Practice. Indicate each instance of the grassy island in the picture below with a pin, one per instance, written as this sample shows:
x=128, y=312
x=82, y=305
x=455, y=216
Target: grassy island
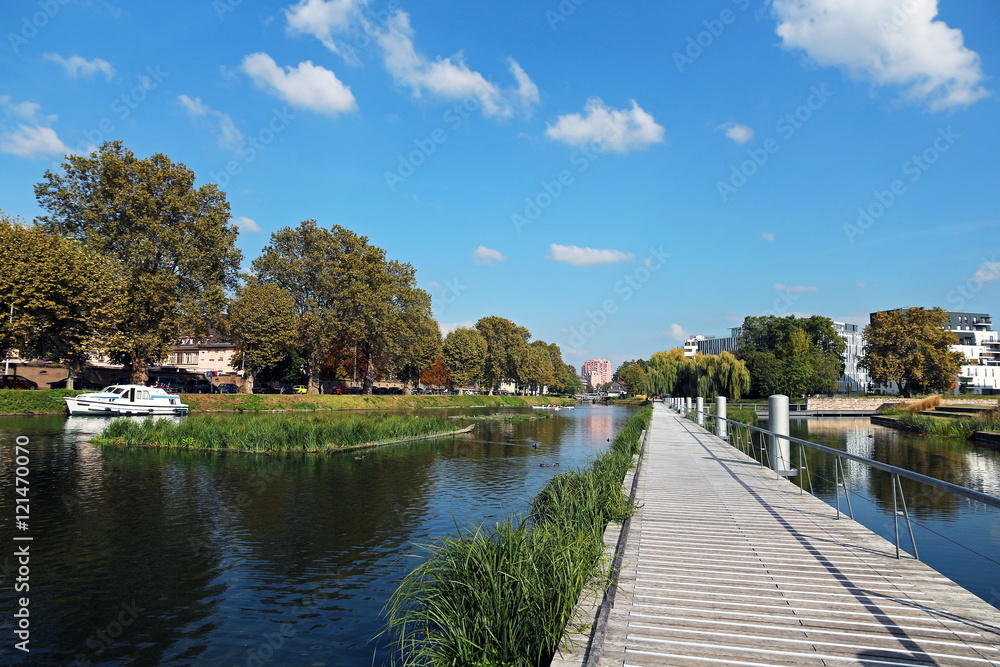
x=275, y=433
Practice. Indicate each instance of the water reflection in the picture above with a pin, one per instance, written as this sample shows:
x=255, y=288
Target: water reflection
x=216, y=558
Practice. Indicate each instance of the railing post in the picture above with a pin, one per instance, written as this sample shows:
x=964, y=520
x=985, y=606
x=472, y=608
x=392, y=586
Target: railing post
x=700, y=407
x=780, y=453
x=720, y=416
x=687, y=405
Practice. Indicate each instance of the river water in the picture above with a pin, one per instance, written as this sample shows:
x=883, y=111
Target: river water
x=144, y=557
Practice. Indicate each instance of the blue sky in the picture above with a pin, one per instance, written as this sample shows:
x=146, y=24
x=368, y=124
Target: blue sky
x=613, y=176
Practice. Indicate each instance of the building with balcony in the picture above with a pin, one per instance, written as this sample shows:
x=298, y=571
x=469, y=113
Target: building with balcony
x=596, y=372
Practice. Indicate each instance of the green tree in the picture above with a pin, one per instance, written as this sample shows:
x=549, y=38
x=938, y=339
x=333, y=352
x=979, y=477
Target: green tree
x=634, y=378
x=464, y=354
x=172, y=243
x=911, y=347
x=724, y=375
x=504, y=341
x=60, y=297
x=418, y=345
x=534, y=366
x=811, y=349
x=261, y=322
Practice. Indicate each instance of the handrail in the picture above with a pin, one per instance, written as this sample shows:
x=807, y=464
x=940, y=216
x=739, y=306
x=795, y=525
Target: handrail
x=978, y=496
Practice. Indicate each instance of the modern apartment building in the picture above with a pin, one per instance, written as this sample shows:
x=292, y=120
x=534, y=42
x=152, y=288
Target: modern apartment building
x=596, y=371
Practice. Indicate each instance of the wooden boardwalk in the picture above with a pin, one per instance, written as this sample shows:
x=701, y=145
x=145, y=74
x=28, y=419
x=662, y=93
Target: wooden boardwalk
x=725, y=565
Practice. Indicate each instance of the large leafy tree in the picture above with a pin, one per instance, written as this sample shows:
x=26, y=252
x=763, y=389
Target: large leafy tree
x=911, y=347
x=809, y=352
x=60, y=298
x=261, y=323
x=504, y=343
x=172, y=242
x=464, y=355
x=436, y=374
x=346, y=293
x=419, y=345
x=534, y=366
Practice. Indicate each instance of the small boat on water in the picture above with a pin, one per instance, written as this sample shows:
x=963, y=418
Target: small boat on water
x=126, y=399
x=552, y=407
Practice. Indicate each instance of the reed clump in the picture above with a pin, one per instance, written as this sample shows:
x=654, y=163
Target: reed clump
x=272, y=433
x=501, y=595
x=928, y=403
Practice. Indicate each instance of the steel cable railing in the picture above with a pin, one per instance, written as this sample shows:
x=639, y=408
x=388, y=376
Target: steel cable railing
x=741, y=436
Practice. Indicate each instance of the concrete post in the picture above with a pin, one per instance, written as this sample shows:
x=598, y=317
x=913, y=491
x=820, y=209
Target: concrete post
x=779, y=448
x=700, y=407
x=721, y=429
x=687, y=405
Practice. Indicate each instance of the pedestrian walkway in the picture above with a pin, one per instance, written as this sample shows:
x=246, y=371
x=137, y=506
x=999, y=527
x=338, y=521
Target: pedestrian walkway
x=726, y=565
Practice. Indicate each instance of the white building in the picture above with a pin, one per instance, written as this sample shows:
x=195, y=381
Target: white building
x=981, y=346
x=853, y=379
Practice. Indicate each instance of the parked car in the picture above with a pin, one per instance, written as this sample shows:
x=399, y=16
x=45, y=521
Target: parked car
x=16, y=382
x=78, y=383
x=198, y=386
x=228, y=388
x=300, y=389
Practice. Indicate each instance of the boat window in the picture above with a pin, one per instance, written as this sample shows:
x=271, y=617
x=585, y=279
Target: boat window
x=119, y=390
x=145, y=395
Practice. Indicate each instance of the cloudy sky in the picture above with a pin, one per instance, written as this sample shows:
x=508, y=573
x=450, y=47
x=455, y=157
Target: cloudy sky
x=613, y=176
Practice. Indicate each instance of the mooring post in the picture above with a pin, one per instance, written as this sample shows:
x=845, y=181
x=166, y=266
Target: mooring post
x=780, y=453
x=700, y=407
x=720, y=416
x=687, y=405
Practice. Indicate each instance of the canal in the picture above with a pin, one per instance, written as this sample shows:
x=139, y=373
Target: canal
x=958, y=537
x=156, y=557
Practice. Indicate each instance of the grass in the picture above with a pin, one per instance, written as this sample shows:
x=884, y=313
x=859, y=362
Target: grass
x=39, y=401
x=952, y=428
x=49, y=401
x=501, y=595
x=272, y=433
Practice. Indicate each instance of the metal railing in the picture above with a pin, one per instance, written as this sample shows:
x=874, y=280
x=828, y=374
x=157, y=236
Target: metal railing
x=741, y=434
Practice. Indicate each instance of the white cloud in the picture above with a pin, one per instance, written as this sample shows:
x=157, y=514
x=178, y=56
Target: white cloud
x=33, y=137
x=738, y=133
x=450, y=78
x=577, y=256
x=891, y=43
x=77, y=66
x=487, y=256
x=227, y=134
x=323, y=19
x=860, y=284
x=245, y=224
x=678, y=333
x=448, y=328
x=793, y=288
x=32, y=141
x=987, y=272
x=767, y=236
x=622, y=130
x=307, y=86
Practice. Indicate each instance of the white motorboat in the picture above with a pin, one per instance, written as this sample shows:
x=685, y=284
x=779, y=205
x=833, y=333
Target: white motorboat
x=126, y=399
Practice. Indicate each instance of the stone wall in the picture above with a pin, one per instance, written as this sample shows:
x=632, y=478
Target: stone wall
x=875, y=402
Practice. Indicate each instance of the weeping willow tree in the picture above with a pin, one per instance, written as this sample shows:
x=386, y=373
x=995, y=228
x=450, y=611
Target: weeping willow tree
x=709, y=375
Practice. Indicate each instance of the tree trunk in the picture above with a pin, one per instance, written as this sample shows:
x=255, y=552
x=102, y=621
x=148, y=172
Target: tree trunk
x=315, y=367
x=73, y=370
x=369, y=378
x=246, y=387
x=140, y=372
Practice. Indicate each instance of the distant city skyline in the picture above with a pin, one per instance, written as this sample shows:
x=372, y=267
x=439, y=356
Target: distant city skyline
x=613, y=177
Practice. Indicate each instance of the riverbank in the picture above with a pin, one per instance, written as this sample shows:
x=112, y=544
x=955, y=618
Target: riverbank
x=502, y=594
x=276, y=434
x=50, y=401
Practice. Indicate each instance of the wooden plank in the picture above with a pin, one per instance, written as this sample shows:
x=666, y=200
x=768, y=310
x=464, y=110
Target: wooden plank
x=726, y=565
